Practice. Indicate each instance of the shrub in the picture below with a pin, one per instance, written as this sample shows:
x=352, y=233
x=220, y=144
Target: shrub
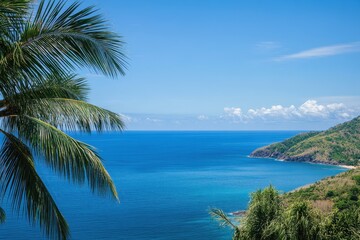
x=354, y=190
x=343, y=204
x=264, y=207
x=330, y=194
x=344, y=225
x=356, y=178
x=354, y=198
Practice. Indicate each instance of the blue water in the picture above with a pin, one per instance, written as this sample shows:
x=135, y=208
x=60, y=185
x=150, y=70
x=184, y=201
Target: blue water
x=167, y=181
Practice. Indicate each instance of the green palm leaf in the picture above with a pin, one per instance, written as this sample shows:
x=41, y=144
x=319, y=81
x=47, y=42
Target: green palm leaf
x=69, y=114
x=222, y=218
x=225, y=221
x=82, y=33
x=70, y=158
x=12, y=14
x=41, y=98
x=2, y=215
x=59, y=101
x=55, y=86
x=58, y=39
x=20, y=180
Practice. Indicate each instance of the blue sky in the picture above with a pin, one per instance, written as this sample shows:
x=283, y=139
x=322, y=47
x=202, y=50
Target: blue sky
x=233, y=65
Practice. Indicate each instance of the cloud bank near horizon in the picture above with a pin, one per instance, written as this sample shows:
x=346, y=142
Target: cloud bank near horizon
x=313, y=114
x=309, y=110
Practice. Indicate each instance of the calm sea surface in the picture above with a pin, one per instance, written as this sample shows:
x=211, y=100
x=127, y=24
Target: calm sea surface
x=167, y=181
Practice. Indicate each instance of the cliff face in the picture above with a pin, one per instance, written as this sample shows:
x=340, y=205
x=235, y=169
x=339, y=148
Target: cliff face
x=337, y=145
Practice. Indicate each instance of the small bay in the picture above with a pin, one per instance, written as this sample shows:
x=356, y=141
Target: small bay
x=167, y=181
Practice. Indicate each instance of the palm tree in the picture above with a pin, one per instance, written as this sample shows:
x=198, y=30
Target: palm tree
x=301, y=222
x=264, y=207
x=297, y=221
x=225, y=221
x=41, y=98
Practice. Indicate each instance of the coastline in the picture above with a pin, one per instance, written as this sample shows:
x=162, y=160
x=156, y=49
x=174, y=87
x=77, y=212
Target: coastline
x=311, y=162
x=347, y=166
x=241, y=213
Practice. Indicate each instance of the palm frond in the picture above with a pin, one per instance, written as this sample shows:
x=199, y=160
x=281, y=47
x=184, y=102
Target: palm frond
x=41, y=98
x=68, y=114
x=60, y=38
x=55, y=86
x=2, y=215
x=12, y=15
x=12, y=18
x=20, y=180
x=222, y=218
x=76, y=161
x=11, y=10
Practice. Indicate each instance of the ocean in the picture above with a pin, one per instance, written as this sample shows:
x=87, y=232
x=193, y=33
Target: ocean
x=167, y=181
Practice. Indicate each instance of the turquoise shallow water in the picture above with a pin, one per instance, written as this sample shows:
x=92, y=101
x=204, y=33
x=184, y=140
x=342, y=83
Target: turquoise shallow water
x=167, y=181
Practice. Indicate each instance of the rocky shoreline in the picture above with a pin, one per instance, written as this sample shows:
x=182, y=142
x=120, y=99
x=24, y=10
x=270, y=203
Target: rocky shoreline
x=266, y=153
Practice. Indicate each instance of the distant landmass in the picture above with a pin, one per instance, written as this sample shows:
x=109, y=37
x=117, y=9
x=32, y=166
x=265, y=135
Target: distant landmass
x=339, y=145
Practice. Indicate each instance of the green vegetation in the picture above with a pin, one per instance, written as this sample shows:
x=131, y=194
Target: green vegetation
x=337, y=145
x=264, y=208
x=269, y=218
x=328, y=209
x=39, y=51
x=333, y=193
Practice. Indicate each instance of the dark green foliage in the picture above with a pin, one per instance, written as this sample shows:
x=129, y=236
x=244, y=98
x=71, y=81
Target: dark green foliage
x=334, y=214
x=298, y=221
x=356, y=178
x=264, y=207
x=342, y=190
x=355, y=190
x=330, y=194
x=267, y=218
x=2, y=215
x=302, y=223
x=343, y=225
x=288, y=143
x=343, y=204
x=41, y=44
x=354, y=198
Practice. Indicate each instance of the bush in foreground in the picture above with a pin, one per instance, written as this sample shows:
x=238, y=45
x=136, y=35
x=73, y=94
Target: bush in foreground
x=270, y=217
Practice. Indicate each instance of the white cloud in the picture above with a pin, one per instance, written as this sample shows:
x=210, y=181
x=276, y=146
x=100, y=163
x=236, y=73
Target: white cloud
x=232, y=111
x=323, y=51
x=345, y=115
x=273, y=111
x=335, y=106
x=310, y=109
x=202, y=117
x=155, y=120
